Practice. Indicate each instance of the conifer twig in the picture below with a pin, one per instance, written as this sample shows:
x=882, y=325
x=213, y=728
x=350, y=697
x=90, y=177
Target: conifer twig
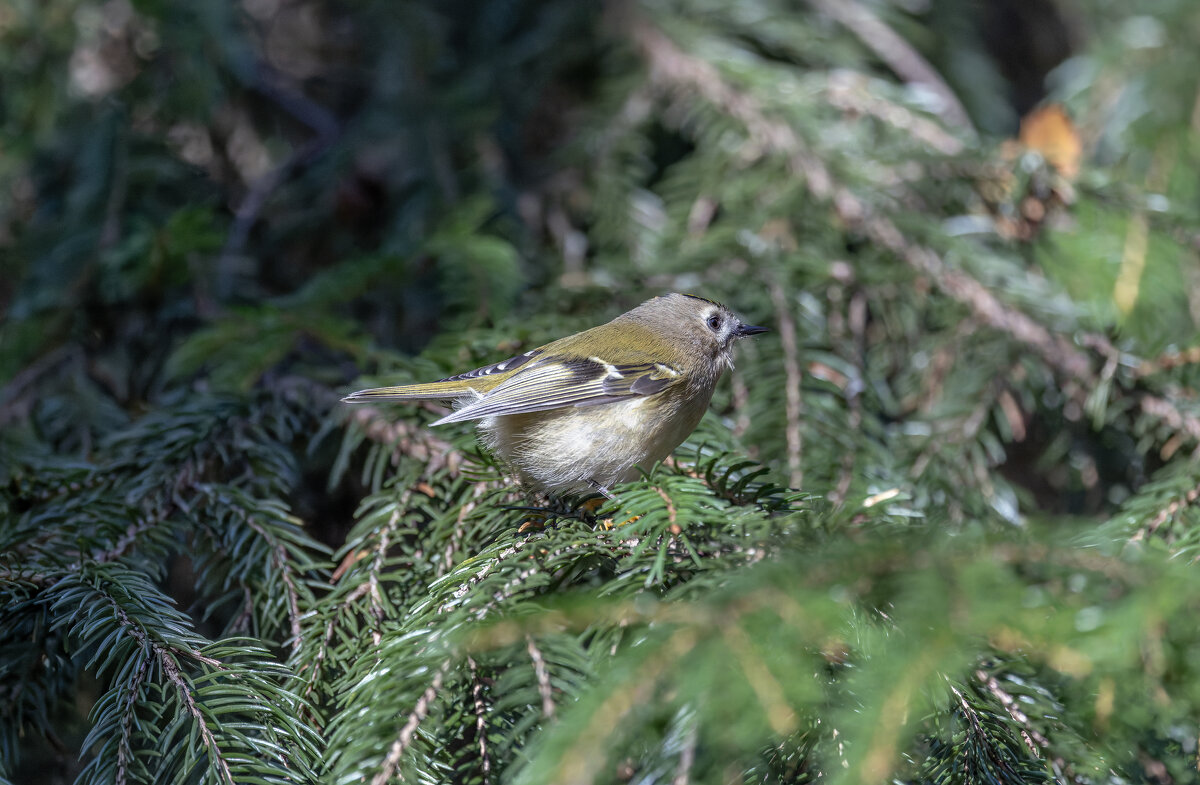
x=485, y=761
x=1168, y=512
x=419, y=712
x=284, y=565
x=543, y=677
x=128, y=720
x=687, y=757
x=896, y=53
x=1170, y=414
x=410, y=439
x=981, y=737
x=171, y=671
x=377, y=565
x=1033, y=738
x=677, y=72
x=793, y=403
x=849, y=92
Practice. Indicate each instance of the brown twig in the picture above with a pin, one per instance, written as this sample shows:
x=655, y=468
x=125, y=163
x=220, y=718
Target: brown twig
x=856, y=321
x=976, y=728
x=793, y=403
x=543, y=677
x=672, y=69
x=1147, y=529
x=672, y=513
x=171, y=670
x=687, y=758
x=1164, y=362
x=741, y=396
x=485, y=761
x=124, y=750
x=419, y=712
x=459, y=533
x=1170, y=415
x=1030, y=734
x=377, y=564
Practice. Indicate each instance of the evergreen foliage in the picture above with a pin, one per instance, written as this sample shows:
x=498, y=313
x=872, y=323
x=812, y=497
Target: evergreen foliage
x=939, y=527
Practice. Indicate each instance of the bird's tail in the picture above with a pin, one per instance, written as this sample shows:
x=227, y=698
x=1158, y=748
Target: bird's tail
x=437, y=391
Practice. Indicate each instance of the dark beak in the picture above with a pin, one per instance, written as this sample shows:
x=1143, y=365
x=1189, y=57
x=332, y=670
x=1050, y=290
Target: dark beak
x=748, y=329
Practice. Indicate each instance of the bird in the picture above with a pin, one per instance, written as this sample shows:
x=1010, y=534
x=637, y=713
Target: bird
x=597, y=408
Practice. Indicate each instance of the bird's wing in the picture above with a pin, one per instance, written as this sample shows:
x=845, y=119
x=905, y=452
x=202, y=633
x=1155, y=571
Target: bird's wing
x=573, y=382
x=471, y=384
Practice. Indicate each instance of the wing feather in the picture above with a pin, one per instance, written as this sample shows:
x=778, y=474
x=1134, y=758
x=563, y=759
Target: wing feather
x=450, y=388
x=554, y=385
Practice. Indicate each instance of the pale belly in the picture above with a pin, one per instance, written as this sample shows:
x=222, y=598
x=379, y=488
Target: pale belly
x=571, y=450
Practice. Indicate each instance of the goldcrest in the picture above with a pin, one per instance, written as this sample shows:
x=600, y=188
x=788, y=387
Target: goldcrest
x=589, y=410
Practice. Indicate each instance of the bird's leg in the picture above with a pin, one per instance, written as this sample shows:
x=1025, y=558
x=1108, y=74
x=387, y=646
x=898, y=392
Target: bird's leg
x=605, y=492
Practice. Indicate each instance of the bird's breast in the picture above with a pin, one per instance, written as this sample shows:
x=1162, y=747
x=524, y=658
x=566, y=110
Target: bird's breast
x=570, y=449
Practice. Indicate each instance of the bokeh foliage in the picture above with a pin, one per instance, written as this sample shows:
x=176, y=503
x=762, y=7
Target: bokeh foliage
x=939, y=526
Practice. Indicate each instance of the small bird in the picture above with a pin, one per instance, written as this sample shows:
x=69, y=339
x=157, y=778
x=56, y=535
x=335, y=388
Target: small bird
x=589, y=410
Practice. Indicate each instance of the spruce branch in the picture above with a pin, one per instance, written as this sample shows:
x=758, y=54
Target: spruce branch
x=849, y=91
x=682, y=74
x=794, y=408
x=893, y=50
x=407, y=439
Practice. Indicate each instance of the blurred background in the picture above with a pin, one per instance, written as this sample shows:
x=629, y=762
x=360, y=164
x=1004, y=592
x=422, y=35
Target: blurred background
x=973, y=228
x=255, y=188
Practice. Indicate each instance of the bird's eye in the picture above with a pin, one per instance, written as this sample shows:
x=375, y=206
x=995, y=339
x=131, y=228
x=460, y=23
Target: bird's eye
x=714, y=323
